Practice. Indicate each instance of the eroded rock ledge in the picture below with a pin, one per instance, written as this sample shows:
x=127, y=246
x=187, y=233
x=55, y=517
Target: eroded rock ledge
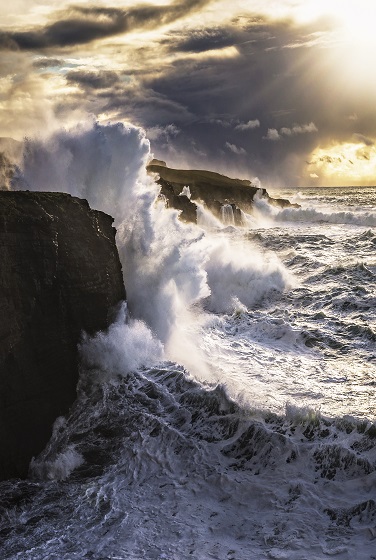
x=60, y=274
x=212, y=189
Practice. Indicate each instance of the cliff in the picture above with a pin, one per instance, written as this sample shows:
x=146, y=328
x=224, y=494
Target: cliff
x=60, y=275
x=213, y=189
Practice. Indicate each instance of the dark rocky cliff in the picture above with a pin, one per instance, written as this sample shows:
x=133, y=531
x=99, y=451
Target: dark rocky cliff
x=213, y=189
x=60, y=275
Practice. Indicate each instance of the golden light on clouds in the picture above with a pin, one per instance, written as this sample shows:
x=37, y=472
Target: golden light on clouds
x=355, y=16
x=21, y=106
x=298, y=68
x=224, y=53
x=349, y=163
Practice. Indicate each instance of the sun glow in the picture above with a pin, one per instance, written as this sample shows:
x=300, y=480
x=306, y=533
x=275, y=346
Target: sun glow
x=358, y=20
x=353, y=20
x=354, y=16
x=344, y=164
x=354, y=39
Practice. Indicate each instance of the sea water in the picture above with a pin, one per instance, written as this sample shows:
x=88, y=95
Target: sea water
x=229, y=411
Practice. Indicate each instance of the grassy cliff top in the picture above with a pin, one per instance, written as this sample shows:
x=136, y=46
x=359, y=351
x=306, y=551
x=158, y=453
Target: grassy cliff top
x=192, y=176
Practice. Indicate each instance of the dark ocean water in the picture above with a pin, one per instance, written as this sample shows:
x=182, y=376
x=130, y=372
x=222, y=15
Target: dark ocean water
x=229, y=412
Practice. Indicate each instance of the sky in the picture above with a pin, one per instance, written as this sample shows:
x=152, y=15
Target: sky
x=280, y=90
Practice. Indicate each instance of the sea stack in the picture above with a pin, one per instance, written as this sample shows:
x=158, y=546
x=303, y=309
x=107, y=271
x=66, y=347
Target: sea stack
x=212, y=189
x=60, y=275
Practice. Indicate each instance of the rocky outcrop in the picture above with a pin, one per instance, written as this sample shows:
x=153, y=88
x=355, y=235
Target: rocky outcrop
x=212, y=189
x=60, y=275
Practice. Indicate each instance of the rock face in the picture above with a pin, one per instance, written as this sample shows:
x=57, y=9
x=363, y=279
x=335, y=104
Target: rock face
x=213, y=189
x=60, y=275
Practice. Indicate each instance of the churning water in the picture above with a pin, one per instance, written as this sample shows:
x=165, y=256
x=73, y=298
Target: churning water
x=229, y=412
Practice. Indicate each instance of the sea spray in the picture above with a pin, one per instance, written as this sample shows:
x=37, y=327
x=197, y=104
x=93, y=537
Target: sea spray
x=127, y=345
x=173, y=272
x=227, y=215
x=206, y=219
x=100, y=163
x=238, y=272
x=106, y=164
x=151, y=464
x=266, y=214
x=59, y=468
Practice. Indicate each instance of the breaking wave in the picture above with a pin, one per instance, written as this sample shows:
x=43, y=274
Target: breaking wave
x=228, y=411
x=310, y=214
x=172, y=271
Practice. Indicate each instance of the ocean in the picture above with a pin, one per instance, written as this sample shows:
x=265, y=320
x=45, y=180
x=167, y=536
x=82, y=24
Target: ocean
x=229, y=411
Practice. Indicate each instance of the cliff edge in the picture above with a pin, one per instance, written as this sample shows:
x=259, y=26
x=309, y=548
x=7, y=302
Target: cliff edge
x=60, y=274
x=212, y=189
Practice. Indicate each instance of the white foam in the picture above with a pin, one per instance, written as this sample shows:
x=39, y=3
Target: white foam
x=227, y=215
x=264, y=211
x=206, y=219
x=124, y=347
x=60, y=468
x=238, y=272
x=100, y=163
x=186, y=191
x=171, y=270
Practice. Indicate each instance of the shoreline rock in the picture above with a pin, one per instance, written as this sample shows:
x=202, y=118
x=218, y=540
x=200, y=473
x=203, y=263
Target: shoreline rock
x=212, y=189
x=60, y=274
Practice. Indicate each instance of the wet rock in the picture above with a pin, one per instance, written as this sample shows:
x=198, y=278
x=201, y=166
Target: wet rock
x=60, y=274
x=212, y=189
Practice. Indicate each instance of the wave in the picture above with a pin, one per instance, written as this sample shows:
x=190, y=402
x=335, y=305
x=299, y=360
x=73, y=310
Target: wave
x=167, y=398
x=173, y=272
x=369, y=236
x=263, y=210
x=161, y=460
x=127, y=345
x=163, y=467
x=104, y=164
x=164, y=403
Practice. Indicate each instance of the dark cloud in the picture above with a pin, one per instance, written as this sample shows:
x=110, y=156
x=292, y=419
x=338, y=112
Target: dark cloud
x=203, y=40
x=292, y=94
x=145, y=107
x=93, y=80
x=223, y=106
x=48, y=63
x=80, y=25
x=261, y=87
x=273, y=83
x=7, y=42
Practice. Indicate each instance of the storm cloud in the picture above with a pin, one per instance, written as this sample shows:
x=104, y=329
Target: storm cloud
x=202, y=40
x=236, y=93
x=93, y=80
x=214, y=85
x=79, y=25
